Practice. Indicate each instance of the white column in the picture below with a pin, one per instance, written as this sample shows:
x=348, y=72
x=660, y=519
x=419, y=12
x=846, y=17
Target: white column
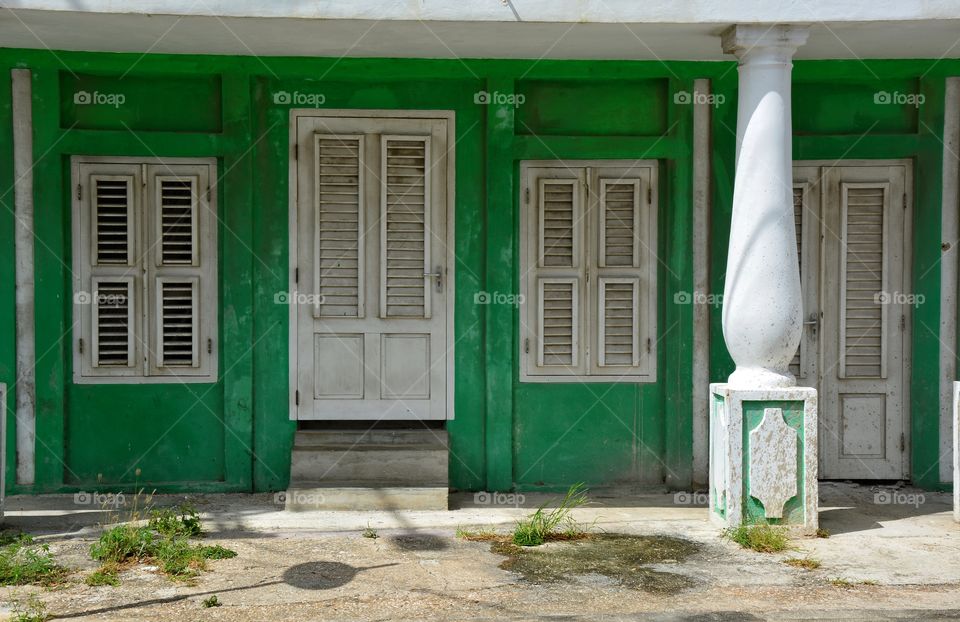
x=762, y=306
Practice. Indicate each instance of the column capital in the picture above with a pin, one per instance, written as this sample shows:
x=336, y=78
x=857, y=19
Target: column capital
x=748, y=41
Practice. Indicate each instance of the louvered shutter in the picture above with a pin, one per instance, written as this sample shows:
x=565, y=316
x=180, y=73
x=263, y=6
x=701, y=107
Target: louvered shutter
x=339, y=236
x=863, y=312
x=181, y=278
x=404, y=229
x=799, y=191
x=624, y=293
x=553, y=271
x=107, y=280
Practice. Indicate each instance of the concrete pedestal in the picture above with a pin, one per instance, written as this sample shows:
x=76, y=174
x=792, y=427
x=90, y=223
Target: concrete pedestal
x=956, y=451
x=763, y=456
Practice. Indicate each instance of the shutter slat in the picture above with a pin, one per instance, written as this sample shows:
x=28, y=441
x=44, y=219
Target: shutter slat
x=795, y=365
x=178, y=322
x=619, y=218
x=405, y=213
x=557, y=213
x=863, y=281
x=178, y=201
x=339, y=222
x=558, y=320
x=619, y=322
x=113, y=219
x=112, y=322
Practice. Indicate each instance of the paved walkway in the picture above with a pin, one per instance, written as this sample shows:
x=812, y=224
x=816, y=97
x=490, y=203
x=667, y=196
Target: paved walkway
x=892, y=554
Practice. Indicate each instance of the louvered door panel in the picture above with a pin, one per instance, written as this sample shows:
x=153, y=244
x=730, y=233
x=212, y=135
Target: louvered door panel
x=177, y=324
x=618, y=314
x=177, y=203
x=339, y=205
x=559, y=220
x=619, y=221
x=113, y=219
x=405, y=214
x=113, y=322
x=796, y=367
x=862, y=314
x=557, y=316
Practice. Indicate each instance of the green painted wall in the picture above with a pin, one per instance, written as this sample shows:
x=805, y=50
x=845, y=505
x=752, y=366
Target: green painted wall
x=235, y=434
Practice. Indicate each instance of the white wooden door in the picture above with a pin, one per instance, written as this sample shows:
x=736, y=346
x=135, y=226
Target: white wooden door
x=853, y=221
x=372, y=280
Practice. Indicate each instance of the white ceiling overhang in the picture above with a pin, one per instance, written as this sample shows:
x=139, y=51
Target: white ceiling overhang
x=556, y=29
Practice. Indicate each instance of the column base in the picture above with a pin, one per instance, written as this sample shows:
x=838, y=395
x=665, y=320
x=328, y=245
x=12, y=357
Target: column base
x=763, y=456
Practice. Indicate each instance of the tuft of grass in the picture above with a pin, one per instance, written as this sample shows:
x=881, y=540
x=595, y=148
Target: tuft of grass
x=370, y=532
x=483, y=534
x=807, y=563
x=555, y=524
x=171, y=550
x=107, y=574
x=31, y=609
x=213, y=601
x=842, y=583
x=762, y=538
x=24, y=562
x=823, y=533
x=183, y=520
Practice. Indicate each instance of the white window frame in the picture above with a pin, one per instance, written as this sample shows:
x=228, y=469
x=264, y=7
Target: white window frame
x=589, y=270
x=145, y=270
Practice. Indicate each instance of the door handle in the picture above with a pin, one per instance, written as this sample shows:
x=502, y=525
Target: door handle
x=436, y=275
x=812, y=322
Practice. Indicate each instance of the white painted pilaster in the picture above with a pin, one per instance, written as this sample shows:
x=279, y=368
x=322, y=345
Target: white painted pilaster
x=701, y=278
x=950, y=232
x=762, y=306
x=25, y=386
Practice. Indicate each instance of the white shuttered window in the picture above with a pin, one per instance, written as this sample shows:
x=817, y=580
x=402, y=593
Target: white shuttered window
x=145, y=266
x=588, y=270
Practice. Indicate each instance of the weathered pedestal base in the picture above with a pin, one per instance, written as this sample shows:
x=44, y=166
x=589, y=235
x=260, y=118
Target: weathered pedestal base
x=763, y=456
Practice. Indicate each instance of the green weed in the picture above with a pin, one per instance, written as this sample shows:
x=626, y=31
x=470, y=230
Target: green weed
x=555, y=524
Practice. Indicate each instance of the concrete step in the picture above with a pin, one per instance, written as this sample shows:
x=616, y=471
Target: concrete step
x=369, y=470
x=324, y=438
x=303, y=498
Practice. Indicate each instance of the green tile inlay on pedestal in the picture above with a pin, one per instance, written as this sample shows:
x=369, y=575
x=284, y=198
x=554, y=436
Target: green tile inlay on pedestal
x=793, y=416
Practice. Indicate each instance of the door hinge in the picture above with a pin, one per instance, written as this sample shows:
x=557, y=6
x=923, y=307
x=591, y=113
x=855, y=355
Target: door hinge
x=296, y=152
x=79, y=191
x=649, y=195
x=296, y=397
x=903, y=443
x=904, y=201
x=526, y=195
x=296, y=275
x=903, y=323
x=208, y=194
x=209, y=346
x=649, y=345
x=526, y=345
x=80, y=344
